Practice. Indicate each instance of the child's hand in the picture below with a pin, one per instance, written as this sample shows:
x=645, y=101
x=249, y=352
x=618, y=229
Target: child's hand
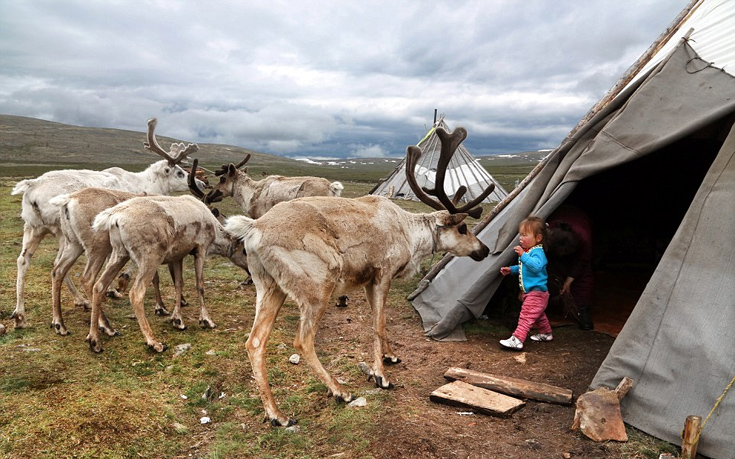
x=519, y=250
x=505, y=270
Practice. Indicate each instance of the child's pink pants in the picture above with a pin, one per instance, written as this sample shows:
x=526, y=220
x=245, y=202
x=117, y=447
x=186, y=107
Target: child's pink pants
x=532, y=312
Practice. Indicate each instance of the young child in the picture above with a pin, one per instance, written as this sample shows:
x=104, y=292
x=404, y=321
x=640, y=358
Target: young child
x=532, y=278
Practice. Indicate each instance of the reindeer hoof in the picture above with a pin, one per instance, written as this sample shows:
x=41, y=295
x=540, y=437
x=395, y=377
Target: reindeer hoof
x=60, y=329
x=94, y=345
x=379, y=382
x=20, y=320
x=157, y=347
x=391, y=360
x=290, y=422
x=344, y=398
x=184, y=303
x=114, y=294
x=178, y=323
x=161, y=311
x=83, y=303
x=206, y=323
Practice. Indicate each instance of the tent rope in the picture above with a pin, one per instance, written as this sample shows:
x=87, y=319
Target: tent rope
x=717, y=403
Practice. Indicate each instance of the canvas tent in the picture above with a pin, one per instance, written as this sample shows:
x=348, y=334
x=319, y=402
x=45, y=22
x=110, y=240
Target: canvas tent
x=654, y=166
x=463, y=169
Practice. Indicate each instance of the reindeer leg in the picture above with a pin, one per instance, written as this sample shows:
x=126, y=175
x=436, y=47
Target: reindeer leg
x=311, y=314
x=204, y=319
x=79, y=300
x=160, y=307
x=177, y=268
x=268, y=302
x=376, y=296
x=137, y=295
x=94, y=264
x=114, y=265
x=184, y=303
x=64, y=261
x=32, y=237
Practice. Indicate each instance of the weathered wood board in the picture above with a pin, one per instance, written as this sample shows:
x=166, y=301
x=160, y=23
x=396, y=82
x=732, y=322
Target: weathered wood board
x=512, y=386
x=459, y=393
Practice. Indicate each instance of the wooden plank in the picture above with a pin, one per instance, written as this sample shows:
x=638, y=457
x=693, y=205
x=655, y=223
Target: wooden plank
x=512, y=386
x=459, y=393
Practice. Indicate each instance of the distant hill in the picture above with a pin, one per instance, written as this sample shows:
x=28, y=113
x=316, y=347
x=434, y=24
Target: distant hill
x=29, y=147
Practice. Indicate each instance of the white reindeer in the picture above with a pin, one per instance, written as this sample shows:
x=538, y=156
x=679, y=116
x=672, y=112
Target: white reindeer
x=42, y=218
x=152, y=231
x=256, y=197
x=311, y=249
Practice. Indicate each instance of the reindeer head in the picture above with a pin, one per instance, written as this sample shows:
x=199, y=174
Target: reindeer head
x=177, y=154
x=209, y=198
x=451, y=233
x=229, y=174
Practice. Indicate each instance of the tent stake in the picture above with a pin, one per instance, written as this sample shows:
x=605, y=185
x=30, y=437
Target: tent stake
x=690, y=437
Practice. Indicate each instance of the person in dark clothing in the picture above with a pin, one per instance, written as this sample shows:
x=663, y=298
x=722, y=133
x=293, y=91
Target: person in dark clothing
x=570, y=260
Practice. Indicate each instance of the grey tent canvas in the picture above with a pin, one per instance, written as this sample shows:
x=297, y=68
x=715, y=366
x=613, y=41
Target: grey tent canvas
x=654, y=166
x=463, y=170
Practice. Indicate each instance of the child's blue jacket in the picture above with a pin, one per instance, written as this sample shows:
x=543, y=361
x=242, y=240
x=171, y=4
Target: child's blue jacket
x=531, y=270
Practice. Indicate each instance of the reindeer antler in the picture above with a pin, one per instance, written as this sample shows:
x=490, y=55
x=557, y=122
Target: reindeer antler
x=179, y=151
x=449, y=143
x=209, y=198
x=225, y=167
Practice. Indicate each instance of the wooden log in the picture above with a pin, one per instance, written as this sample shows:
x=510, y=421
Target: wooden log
x=485, y=401
x=690, y=437
x=512, y=386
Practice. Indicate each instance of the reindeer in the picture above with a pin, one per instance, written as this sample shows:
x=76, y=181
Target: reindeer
x=256, y=197
x=78, y=210
x=314, y=248
x=151, y=231
x=42, y=218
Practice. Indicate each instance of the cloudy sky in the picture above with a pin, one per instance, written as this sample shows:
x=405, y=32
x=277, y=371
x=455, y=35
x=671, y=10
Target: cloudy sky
x=323, y=78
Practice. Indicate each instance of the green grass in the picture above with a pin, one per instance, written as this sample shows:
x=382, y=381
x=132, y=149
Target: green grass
x=58, y=399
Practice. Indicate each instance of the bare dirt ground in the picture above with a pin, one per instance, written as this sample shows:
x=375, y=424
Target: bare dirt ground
x=416, y=427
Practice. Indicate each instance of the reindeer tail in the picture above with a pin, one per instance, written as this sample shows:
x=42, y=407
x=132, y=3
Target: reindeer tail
x=22, y=186
x=60, y=200
x=335, y=189
x=104, y=220
x=243, y=228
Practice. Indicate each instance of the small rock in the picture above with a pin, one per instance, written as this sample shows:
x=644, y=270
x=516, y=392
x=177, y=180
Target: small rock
x=205, y=420
x=365, y=368
x=210, y=352
x=295, y=359
x=521, y=358
x=181, y=349
x=2, y=329
x=358, y=402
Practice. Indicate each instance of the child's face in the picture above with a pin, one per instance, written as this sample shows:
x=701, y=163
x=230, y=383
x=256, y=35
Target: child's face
x=528, y=239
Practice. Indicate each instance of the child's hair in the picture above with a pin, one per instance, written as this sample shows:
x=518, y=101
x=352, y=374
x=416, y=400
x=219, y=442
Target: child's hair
x=535, y=226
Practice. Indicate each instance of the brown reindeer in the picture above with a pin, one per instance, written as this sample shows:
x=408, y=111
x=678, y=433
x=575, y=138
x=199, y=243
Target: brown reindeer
x=152, y=231
x=256, y=197
x=314, y=248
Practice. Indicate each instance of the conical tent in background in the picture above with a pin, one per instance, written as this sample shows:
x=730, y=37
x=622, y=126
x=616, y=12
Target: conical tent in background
x=463, y=170
x=653, y=165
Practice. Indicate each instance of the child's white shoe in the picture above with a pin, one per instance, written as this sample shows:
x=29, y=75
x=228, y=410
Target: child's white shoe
x=512, y=343
x=542, y=337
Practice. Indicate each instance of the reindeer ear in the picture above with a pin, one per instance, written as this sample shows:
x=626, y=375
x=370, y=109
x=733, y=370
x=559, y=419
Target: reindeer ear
x=231, y=170
x=447, y=219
